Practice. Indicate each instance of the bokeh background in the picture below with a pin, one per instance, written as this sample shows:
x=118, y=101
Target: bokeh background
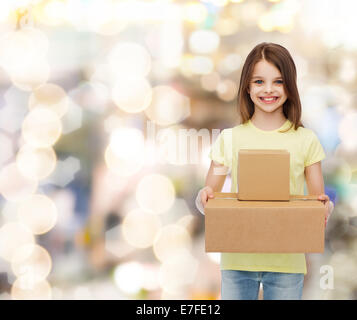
x=100, y=101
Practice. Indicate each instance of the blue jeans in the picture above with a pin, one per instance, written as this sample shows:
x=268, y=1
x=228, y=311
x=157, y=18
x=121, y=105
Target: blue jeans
x=244, y=285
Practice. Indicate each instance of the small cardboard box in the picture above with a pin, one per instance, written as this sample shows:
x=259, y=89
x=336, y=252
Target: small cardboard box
x=293, y=226
x=263, y=175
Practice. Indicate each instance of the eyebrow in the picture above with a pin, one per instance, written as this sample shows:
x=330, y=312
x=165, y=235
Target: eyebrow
x=263, y=77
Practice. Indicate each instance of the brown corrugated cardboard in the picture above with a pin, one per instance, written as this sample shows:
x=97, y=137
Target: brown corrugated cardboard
x=293, y=226
x=263, y=175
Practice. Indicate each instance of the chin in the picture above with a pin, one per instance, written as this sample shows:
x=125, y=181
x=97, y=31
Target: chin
x=269, y=109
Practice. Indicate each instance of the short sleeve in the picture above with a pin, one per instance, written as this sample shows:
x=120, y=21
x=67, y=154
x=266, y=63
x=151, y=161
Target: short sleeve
x=221, y=150
x=314, y=150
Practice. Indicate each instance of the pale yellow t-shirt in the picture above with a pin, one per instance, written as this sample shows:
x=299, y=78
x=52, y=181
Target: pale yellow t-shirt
x=305, y=149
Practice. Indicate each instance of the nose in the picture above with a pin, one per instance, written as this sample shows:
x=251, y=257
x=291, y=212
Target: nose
x=268, y=88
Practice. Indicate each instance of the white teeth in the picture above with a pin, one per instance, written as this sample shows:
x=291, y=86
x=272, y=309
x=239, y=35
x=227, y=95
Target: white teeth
x=268, y=99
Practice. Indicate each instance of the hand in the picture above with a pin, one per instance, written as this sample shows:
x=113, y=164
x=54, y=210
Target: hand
x=206, y=193
x=326, y=201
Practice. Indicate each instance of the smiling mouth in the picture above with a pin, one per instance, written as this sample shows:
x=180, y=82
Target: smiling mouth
x=269, y=100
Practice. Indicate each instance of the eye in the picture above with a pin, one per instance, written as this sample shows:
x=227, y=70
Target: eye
x=258, y=81
x=279, y=81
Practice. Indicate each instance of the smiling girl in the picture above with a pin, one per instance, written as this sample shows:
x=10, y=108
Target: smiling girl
x=270, y=110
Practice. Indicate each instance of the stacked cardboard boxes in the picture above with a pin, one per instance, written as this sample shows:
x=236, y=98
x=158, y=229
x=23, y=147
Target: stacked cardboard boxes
x=263, y=217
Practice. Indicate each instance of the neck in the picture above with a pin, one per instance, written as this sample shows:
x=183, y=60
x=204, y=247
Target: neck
x=268, y=121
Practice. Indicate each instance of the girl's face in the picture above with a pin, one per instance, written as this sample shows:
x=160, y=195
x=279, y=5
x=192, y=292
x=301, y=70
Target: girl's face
x=266, y=88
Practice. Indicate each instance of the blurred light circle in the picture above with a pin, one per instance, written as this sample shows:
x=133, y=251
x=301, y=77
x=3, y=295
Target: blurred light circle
x=151, y=277
x=31, y=261
x=73, y=119
x=39, y=40
x=24, y=289
x=204, y=41
x=110, y=27
x=36, y=163
x=347, y=72
x=167, y=106
x=230, y=63
x=93, y=96
x=132, y=94
x=22, y=3
x=185, y=66
x=341, y=98
x=122, y=165
x=226, y=26
x=41, y=128
x=5, y=11
x=12, y=236
x=53, y=13
x=178, y=272
x=266, y=22
x=75, y=15
x=140, y=228
x=102, y=73
x=187, y=221
x=129, y=59
x=348, y=130
x=210, y=81
x=195, y=12
x=38, y=213
x=102, y=19
x=21, y=47
x=338, y=169
x=124, y=155
x=344, y=266
x=219, y=3
x=129, y=277
x=30, y=76
x=227, y=90
x=349, y=155
x=113, y=122
x=155, y=193
x=13, y=185
x=127, y=142
x=201, y=65
x=7, y=149
x=49, y=96
x=172, y=240
x=180, y=295
x=9, y=212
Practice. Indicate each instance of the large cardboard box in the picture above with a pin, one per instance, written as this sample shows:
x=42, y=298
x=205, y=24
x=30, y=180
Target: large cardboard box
x=263, y=175
x=292, y=226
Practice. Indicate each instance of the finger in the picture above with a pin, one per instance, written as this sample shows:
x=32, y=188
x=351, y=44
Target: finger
x=203, y=197
x=204, y=203
x=324, y=198
x=209, y=192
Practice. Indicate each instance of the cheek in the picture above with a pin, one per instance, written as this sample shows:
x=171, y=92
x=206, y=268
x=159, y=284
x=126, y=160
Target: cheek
x=253, y=91
x=283, y=91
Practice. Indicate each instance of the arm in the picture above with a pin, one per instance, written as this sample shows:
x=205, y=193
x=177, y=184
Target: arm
x=315, y=186
x=214, y=182
x=216, y=176
x=314, y=179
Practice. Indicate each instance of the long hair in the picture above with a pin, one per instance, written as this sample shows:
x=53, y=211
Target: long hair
x=282, y=60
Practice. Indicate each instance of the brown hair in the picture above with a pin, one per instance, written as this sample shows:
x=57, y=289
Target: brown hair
x=281, y=59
